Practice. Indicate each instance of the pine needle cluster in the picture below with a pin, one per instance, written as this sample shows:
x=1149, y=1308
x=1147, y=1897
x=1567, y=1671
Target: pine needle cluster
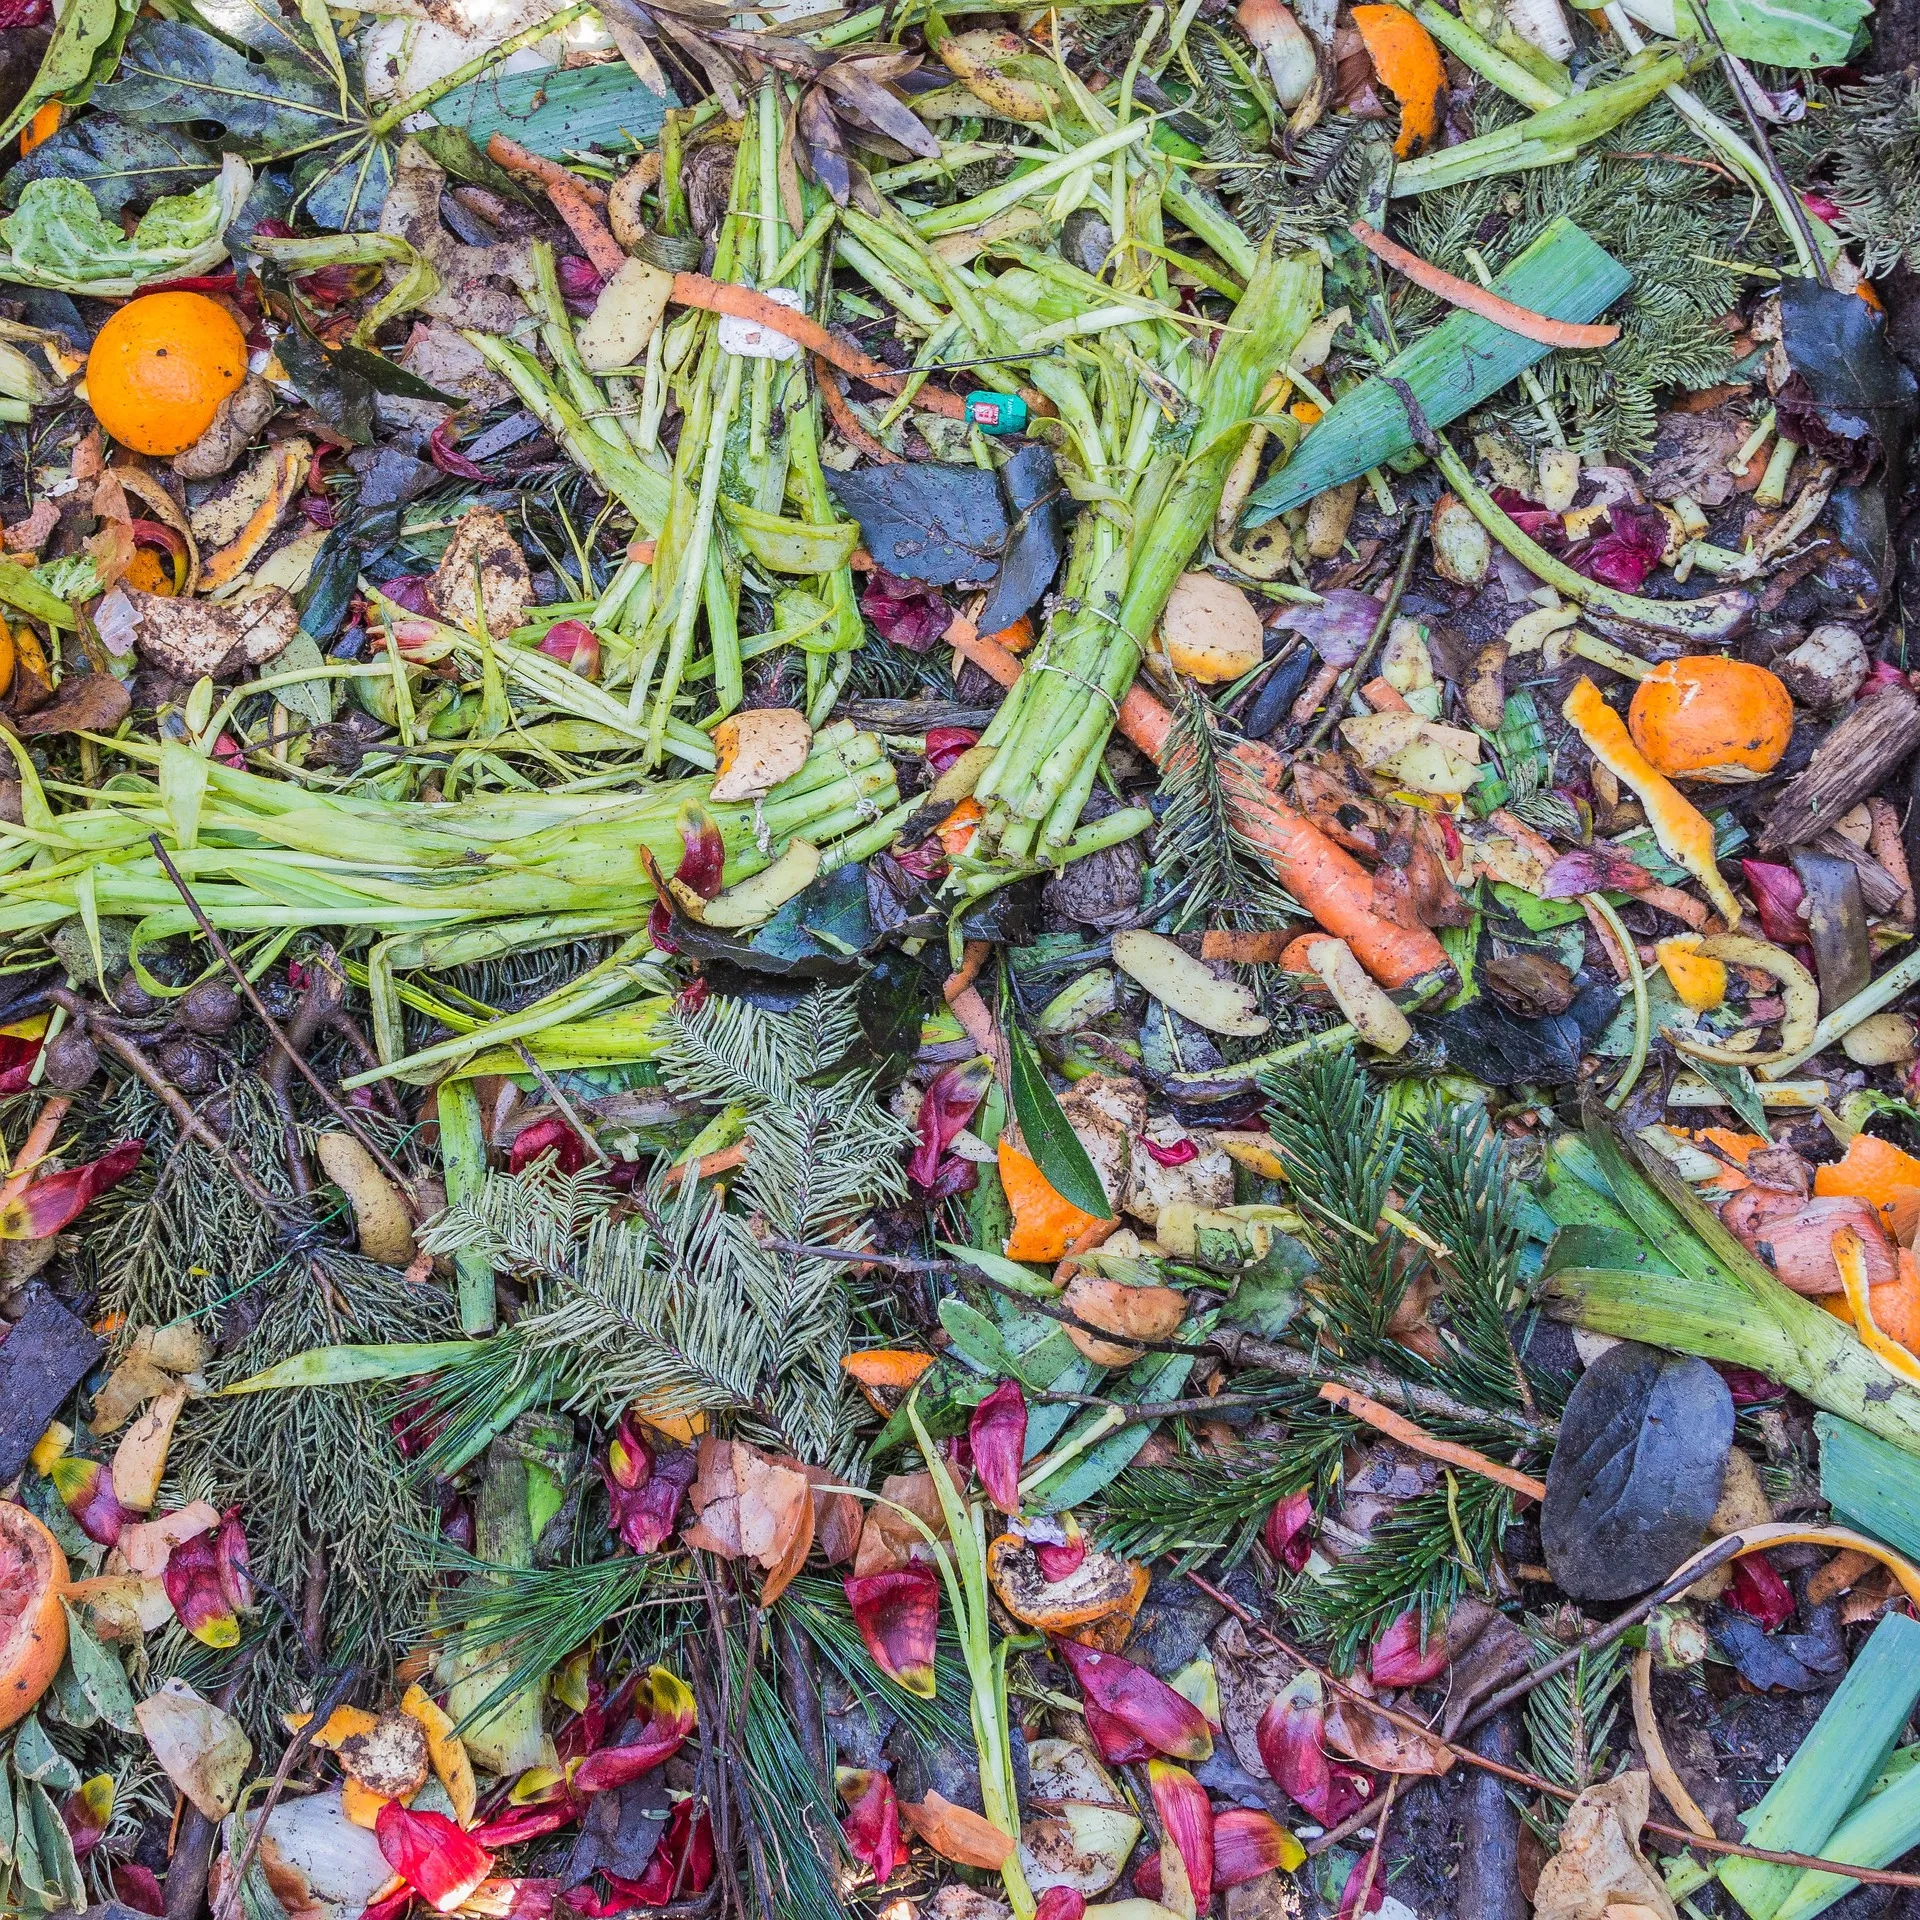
x=1642, y=196
x=1350, y=1152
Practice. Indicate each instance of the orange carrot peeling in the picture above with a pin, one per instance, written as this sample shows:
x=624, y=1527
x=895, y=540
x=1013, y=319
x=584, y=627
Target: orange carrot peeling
x=1398, y=1427
x=569, y=199
x=1489, y=306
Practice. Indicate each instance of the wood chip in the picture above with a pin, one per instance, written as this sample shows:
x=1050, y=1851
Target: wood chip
x=1849, y=764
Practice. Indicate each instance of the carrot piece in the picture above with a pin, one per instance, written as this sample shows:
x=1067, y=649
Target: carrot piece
x=569, y=199
x=1462, y=293
x=1044, y=1225
x=722, y=1162
x=846, y=423
x=42, y=127
x=723, y=296
x=1324, y=878
x=1242, y=948
x=886, y=1375
x=1397, y=1427
x=971, y=961
x=38, y=1144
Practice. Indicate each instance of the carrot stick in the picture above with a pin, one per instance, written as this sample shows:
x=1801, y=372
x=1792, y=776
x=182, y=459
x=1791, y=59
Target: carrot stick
x=846, y=422
x=1489, y=306
x=707, y=1167
x=569, y=199
x=972, y=959
x=1397, y=1427
x=1324, y=878
x=1246, y=949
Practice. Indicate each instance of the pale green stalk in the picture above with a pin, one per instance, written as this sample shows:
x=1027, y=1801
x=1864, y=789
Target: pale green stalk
x=982, y=207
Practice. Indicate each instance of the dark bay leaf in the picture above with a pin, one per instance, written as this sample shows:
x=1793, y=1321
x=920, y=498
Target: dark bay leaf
x=1636, y=1472
x=925, y=520
x=1035, y=547
x=119, y=160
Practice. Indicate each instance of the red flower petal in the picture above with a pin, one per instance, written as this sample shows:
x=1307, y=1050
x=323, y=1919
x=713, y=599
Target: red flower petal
x=51, y=1203
x=1350, y=1907
x=139, y=1888
x=1286, y=1531
x=1174, y=1153
x=898, y=1614
x=1060, y=1903
x=1117, y=1743
x=950, y=1101
x=945, y=745
x=907, y=612
x=1248, y=1843
x=682, y=1864
x=554, y=1134
x=431, y=1854
x=574, y=644
x=86, y=1490
x=872, y=1825
x=444, y=455
x=1142, y=1702
x=1059, y=1559
x=17, y=1056
x=667, y=1702
x=1399, y=1659
x=1186, y=1846
x=1289, y=1736
x=199, y=1600
x=1777, y=894
x=1758, y=1591
x=703, y=864
x=516, y=1824
x=997, y=1434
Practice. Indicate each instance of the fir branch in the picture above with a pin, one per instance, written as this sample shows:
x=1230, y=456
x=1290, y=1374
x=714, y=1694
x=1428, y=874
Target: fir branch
x=1198, y=842
x=1570, y=1715
x=1869, y=136
x=1412, y=1559
x=527, y=1620
x=1213, y=1507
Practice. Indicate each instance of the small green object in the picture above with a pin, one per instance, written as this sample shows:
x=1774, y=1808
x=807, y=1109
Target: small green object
x=997, y=412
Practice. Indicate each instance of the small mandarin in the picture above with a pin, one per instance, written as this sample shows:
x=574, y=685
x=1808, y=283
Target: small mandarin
x=160, y=368
x=1706, y=717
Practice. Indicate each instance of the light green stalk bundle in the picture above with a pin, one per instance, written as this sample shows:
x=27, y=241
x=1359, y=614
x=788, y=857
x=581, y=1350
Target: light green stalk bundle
x=447, y=879
x=1051, y=729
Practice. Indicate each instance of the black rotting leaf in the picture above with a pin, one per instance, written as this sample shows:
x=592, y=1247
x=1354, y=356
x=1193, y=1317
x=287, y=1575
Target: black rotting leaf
x=1764, y=1661
x=818, y=935
x=1636, y=1472
x=338, y=391
x=927, y=521
x=1035, y=547
x=1494, y=1044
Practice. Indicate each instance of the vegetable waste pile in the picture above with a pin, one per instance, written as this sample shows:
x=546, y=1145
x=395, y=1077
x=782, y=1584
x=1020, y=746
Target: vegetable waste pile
x=959, y=963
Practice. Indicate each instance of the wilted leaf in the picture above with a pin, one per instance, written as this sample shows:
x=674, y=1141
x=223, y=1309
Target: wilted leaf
x=1636, y=1474
x=1600, y=1866
x=925, y=520
x=204, y=1752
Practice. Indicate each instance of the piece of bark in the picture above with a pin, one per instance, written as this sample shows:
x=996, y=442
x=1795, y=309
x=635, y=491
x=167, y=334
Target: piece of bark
x=45, y=1356
x=1881, y=891
x=1848, y=765
x=1489, y=1881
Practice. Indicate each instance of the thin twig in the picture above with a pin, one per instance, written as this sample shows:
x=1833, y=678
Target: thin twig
x=328, y=1097
x=1872, y=1876
x=1379, y=1841
x=1355, y=674
x=568, y=1112
x=1718, y=1555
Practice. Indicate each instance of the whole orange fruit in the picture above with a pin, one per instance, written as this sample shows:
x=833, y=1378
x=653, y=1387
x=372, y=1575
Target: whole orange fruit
x=1705, y=717
x=160, y=368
